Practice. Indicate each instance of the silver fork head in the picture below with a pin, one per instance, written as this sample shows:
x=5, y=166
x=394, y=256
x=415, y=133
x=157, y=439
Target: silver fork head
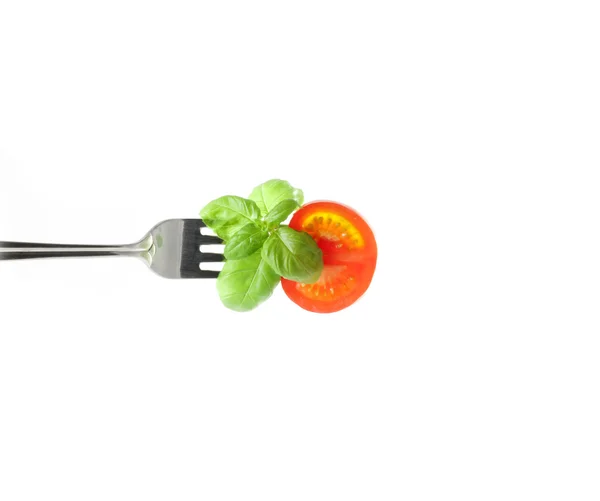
x=174, y=249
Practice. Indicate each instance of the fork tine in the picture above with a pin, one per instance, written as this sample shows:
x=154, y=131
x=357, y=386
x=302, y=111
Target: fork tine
x=208, y=274
x=195, y=226
x=208, y=240
x=211, y=257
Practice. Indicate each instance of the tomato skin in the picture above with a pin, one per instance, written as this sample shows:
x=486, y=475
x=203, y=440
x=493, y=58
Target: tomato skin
x=349, y=254
x=312, y=304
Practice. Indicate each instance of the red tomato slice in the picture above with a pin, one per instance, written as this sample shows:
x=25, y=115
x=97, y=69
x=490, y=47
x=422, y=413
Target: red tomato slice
x=349, y=253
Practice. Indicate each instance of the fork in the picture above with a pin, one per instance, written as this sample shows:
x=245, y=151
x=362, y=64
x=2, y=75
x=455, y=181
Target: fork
x=171, y=249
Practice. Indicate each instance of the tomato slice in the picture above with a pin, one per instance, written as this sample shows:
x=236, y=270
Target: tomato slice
x=349, y=253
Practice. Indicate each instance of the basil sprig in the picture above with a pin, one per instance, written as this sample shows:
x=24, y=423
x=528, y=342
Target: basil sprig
x=259, y=249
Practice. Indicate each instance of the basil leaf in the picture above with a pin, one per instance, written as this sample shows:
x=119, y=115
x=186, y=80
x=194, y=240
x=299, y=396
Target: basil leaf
x=269, y=194
x=294, y=255
x=281, y=211
x=245, y=242
x=227, y=215
x=246, y=283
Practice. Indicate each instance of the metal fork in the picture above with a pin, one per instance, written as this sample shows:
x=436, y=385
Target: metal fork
x=171, y=249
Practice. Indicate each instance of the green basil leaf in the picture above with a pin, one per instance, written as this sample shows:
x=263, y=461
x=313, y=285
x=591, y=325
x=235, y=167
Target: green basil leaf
x=281, y=211
x=246, y=283
x=245, y=242
x=227, y=215
x=269, y=194
x=294, y=255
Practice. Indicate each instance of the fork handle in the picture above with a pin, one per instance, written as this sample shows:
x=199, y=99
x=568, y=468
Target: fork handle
x=10, y=251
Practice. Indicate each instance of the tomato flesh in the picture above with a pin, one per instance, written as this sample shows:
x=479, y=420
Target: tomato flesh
x=349, y=254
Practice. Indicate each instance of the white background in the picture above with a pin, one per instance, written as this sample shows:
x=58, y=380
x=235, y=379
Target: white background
x=467, y=133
